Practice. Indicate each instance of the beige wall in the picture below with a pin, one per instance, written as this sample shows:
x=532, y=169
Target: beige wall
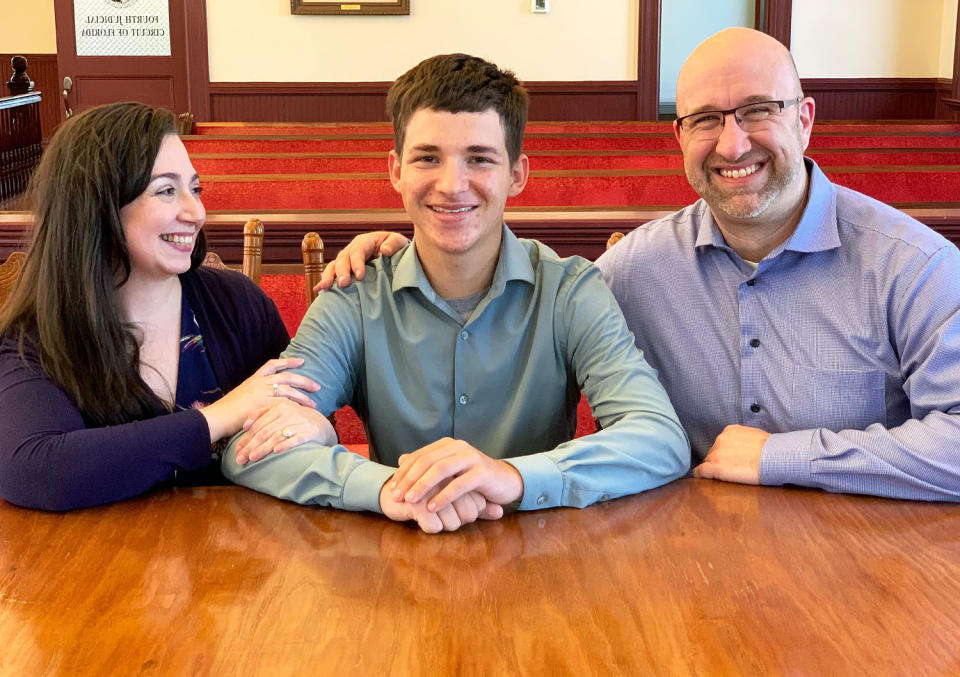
x=27, y=27
x=948, y=27
x=867, y=38
x=256, y=40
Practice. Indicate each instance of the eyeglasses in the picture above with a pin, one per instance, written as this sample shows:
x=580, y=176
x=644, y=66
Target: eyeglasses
x=752, y=117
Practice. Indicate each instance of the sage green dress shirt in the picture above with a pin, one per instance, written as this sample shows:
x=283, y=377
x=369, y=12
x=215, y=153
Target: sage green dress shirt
x=507, y=381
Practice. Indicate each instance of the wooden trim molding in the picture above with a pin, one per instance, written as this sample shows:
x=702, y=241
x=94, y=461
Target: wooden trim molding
x=955, y=89
x=198, y=61
x=583, y=233
x=774, y=17
x=648, y=61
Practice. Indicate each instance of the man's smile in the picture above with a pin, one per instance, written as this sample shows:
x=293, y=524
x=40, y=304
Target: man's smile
x=740, y=172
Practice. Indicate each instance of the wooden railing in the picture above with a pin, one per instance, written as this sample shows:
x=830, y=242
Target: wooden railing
x=20, y=143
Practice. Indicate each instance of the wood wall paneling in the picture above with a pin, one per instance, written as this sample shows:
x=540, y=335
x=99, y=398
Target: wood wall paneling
x=837, y=99
x=298, y=101
x=366, y=101
x=873, y=98
x=42, y=69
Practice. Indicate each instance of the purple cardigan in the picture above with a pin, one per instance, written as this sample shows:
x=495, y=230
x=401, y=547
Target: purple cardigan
x=50, y=459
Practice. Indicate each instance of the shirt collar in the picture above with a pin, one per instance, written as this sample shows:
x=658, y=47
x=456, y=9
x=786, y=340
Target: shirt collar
x=816, y=231
x=513, y=263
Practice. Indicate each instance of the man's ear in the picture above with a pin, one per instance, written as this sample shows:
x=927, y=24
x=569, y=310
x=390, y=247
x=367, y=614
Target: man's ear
x=393, y=169
x=807, y=111
x=519, y=174
x=676, y=132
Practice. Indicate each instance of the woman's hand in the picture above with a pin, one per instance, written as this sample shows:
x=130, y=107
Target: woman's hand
x=268, y=384
x=281, y=426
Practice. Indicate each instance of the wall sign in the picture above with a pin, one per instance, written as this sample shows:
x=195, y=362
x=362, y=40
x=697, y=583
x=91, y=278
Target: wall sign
x=122, y=27
x=361, y=7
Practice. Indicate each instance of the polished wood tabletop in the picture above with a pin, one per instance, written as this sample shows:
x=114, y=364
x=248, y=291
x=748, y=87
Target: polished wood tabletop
x=694, y=578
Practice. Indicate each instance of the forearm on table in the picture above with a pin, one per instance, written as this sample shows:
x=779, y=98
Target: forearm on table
x=919, y=459
x=313, y=474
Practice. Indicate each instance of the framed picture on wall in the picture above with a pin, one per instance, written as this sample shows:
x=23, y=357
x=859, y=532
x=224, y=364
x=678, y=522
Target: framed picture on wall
x=379, y=7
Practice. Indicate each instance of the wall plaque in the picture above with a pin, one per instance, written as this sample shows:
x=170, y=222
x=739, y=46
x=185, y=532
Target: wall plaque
x=381, y=7
x=122, y=27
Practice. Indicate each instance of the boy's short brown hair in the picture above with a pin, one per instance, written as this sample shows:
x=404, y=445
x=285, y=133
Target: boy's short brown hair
x=460, y=83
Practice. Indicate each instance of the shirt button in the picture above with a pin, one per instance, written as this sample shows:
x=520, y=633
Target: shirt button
x=541, y=499
x=755, y=408
x=751, y=282
x=464, y=335
x=755, y=343
x=463, y=399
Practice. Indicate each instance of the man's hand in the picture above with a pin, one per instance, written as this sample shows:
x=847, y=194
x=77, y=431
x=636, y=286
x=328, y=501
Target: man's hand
x=734, y=456
x=455, y=468
x=464, y=510
x=353, y=258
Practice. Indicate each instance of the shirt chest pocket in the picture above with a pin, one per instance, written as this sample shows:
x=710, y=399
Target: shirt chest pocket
x=837, y=399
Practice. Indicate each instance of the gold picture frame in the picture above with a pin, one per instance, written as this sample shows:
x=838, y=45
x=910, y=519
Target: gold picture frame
x=379, y=7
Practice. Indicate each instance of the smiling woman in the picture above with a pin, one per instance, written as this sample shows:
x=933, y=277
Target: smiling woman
x=121, y=360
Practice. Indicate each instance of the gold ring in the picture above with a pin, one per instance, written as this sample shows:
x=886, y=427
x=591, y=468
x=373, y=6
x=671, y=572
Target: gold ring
x=276, y=390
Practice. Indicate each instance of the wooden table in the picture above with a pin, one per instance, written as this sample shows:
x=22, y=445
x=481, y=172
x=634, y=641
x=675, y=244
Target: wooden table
x=697, y=577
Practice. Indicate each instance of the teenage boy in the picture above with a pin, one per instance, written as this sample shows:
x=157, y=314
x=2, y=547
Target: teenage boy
x=465, y=353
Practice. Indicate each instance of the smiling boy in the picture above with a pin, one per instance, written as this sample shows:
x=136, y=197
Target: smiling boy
x=465, y=353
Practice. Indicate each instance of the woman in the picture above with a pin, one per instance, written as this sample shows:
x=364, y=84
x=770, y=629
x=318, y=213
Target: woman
x=122, y=362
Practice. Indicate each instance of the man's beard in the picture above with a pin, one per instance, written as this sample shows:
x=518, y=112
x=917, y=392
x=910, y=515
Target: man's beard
x=746, y=203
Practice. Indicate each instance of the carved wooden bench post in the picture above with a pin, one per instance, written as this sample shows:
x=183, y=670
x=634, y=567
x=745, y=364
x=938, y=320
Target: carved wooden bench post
x=312, y=248
x=252, y=249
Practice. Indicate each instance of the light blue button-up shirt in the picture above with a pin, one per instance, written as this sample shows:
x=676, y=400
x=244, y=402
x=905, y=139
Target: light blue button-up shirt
x=845, y=341
x=507, y=381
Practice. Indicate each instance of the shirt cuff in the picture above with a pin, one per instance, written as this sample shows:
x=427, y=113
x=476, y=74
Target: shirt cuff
x=361, y=490
x=786, y=458
x=542, y=481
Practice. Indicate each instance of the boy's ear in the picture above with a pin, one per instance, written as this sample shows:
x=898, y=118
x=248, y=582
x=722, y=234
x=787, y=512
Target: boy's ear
x=393, y=168
x=519, y=174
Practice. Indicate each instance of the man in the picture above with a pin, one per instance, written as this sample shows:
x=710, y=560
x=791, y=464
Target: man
x=465, y=353
x=806, y=333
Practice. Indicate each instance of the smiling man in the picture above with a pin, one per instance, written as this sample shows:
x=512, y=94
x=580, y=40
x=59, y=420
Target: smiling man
x=806, y=333
x=466, y=352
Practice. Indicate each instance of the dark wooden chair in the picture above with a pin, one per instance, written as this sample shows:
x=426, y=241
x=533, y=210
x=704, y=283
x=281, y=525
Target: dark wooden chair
x=9, y=273
x=252, y=252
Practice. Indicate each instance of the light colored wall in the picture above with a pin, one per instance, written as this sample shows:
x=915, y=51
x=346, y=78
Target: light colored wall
x=27, y=27
x=579, y=40
x=948, y=27
x=867, y=38
x=684, y=24
x=259, y=40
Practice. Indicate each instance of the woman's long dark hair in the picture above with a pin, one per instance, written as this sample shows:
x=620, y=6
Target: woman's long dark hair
x=65, y=303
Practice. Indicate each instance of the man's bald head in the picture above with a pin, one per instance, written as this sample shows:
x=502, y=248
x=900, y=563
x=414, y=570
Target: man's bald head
x=753, y=179
x=725, y=53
